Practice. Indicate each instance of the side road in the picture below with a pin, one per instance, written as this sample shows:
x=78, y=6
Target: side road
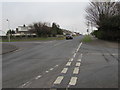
x=6, y=48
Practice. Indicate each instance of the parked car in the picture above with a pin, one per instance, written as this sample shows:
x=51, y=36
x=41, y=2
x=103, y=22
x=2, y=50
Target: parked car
x=69, y=37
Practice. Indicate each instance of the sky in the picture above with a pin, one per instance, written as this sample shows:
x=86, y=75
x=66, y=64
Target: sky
x=69, y=15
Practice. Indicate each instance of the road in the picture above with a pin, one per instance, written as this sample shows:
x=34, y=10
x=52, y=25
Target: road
x=61, y=64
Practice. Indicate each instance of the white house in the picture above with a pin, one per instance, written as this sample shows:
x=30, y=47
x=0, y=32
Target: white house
x=23, y=30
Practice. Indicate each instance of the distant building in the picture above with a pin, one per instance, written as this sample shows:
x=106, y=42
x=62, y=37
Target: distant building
x=23, y=30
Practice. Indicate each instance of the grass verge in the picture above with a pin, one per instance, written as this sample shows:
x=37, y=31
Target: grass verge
x=34, y=39
x=87, y=38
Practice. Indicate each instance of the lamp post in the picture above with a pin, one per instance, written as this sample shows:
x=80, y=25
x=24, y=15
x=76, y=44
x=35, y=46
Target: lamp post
x=9, y=30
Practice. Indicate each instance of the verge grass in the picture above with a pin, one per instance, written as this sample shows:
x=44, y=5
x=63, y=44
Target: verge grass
x=34, y=39
x=87, y=38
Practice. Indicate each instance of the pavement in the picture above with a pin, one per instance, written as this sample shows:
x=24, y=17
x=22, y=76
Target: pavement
x=61, y=64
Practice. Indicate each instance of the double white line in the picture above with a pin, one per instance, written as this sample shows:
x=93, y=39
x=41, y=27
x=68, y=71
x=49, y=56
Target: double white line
x=73, y=80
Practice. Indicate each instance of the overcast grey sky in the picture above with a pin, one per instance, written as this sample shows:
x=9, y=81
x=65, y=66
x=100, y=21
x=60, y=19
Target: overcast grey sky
x=69, y=15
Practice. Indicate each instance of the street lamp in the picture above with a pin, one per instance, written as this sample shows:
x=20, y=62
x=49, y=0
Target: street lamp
x=9, y=30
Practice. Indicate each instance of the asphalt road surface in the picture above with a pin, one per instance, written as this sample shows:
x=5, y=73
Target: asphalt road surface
x=61, y=64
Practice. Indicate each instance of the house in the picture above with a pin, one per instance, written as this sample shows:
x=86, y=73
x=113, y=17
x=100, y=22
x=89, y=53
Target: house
x=23, y=30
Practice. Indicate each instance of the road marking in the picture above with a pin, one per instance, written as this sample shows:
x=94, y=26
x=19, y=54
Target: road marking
x=46, y=71
x=56, y=65
x=81, y=55
x=76, y=70
x=64, y=70
x=74, y=55
x=25, y=84
x=68, y=64
x=38, y=77
x=77, y=64
x=51, y=69
x=79, y=60
x=79, y=46
x=58, y=80
x=73, y=81
x=71, y=59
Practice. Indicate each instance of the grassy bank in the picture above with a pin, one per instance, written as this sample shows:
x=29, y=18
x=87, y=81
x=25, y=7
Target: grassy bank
x=87, y=38
x=34, y=39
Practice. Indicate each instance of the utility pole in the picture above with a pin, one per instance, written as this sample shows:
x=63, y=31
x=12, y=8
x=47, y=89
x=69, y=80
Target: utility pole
x=9, y=30
x=88, y=27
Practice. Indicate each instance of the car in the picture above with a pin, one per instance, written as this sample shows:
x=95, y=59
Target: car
x=69, y=37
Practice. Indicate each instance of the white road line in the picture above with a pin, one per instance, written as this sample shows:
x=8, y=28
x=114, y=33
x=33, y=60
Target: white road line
x=68, y=64
x=64, y=70
x=77, y=64
x=73, y=81
x=79, y=46
x=74, y=55
x=38, y=77
x=81, y=55
x=25, y=84
x=46, y=71
x=56, y=65
x=51, y=69
x=58, y=80
x=71, y=59
x=76, y=70
x=79, y=60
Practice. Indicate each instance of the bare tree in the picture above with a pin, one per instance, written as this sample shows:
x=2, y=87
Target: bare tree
x=41, y=29
x=98, y=11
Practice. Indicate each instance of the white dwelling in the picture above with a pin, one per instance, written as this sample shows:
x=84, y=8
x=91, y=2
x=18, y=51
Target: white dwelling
x=23, y=30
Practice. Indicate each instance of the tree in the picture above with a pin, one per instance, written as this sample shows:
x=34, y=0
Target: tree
x=9, y=32
x=41, y=29
x=56, y=30
x=106, y=17
x=98, y=11
x=13, y=32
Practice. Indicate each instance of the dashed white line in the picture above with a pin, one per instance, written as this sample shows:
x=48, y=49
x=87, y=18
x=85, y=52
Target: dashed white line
x=81, y=55
x=51, y=69
x=71, y=59
x=46, y=71
x=68, y=64
x=77, y=64
x=73, y=81
x=38, y=77
x=76, y=70
x=64, y=70
x=56, y=65
x=26, y=84
x=74, y=55
x=58, y=80
x=23, y=85
x=79, y=60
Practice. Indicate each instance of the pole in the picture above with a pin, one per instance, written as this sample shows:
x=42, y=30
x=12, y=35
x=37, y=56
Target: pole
x=88, y=28
x=9, y=30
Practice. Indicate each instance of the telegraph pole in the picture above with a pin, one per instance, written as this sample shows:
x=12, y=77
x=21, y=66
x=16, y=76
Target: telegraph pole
x=88, y=27
x=9, y=30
